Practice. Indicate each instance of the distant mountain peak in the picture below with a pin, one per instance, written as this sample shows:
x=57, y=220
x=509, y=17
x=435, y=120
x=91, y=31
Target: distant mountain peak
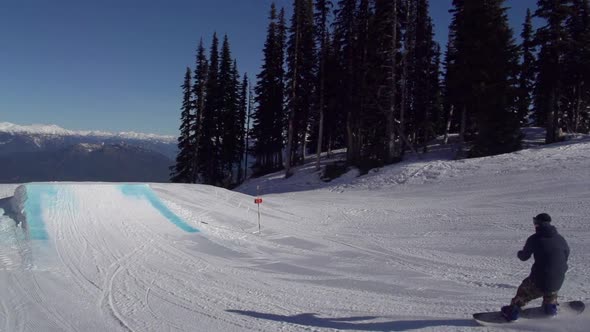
x=54, y=130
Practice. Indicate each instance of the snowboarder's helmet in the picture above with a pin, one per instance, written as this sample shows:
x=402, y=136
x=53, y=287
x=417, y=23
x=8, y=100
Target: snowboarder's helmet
x=542, y=218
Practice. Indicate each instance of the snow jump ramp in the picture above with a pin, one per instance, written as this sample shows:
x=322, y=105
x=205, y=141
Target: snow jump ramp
x=43, y=205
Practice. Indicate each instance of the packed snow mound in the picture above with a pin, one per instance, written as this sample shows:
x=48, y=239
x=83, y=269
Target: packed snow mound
x=31, y=201
x=436, y=167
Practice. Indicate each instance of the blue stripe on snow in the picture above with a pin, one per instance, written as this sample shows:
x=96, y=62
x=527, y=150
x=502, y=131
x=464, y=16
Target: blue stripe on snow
x=36, y=193
x=142, y=191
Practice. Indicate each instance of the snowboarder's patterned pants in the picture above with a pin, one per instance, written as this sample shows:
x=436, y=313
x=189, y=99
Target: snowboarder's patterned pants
x=528, y=292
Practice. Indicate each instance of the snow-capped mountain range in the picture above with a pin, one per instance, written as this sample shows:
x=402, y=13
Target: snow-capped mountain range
x=54, y=130
x=52, y=153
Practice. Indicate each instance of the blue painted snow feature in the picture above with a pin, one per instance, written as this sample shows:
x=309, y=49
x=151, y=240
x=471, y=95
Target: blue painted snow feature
x=142, y=191
x=36, y=194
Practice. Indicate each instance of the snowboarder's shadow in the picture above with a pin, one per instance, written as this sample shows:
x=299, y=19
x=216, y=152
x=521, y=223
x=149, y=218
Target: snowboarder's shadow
x=357, y=323
x=7, y=208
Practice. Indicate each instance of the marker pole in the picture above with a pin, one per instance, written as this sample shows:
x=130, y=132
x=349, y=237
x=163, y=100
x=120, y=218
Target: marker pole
x=258, y=200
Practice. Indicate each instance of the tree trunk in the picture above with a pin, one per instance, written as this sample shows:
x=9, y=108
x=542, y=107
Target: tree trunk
x=404, y=79
x=293, y=104
x=578, y=106
x=247, y=132
x=448, y=126
x=321, y=124
x=198, y=134
x=390, y=119
x=552, y=115
x=463, y=129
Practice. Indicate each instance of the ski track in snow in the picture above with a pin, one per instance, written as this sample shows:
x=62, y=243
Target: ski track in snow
x=417, y=246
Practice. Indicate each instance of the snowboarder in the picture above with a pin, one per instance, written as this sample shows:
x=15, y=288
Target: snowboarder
x=551, y=253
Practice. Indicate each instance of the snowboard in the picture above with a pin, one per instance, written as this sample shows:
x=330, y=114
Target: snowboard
x=565, y=309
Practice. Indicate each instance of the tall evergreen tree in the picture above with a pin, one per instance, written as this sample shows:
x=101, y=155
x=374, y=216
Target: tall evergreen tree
x=237, y=150
x=242, y=126
x=211, y=135
x=344, y=51
x=387, y=22
x=268, y=118
x=199, y=94
x=280, y=87
x=300, y=80
x=456, y=86
x=553, y=40
x=576, y=81
x=228, y=113
x=527, y=71
x=425, y=88
x=447, y=100
x=408, y=117
x=489, y=57
x=335, y=117
x=321, y=16
x=182, y=171
x=362, y=122
x=247, y=133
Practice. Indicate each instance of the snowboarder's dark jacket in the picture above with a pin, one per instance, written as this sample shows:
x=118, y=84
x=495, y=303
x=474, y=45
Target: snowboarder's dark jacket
x=551, y=253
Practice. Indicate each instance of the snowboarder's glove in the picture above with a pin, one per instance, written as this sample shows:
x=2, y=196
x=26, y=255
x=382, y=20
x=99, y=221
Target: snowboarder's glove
x=523, y=256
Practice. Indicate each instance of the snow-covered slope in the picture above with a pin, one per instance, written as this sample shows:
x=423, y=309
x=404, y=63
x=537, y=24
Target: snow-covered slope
x=416, y=246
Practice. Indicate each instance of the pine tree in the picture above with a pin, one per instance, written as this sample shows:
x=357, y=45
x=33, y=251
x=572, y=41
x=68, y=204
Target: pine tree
x=335, y=117
x=248, y=131
x=576, y=80
x=344, y=51
x=300, y=80
x=387, y=22
x=182, y=172
x=449, y=102
x=362, y=124
x=553, y=40
x=425, y=88
x=210, y=138
x=242, y=126
x=456, y=86
x=322, y=12
x=199, y=93
x=237, y=150
x=228, y=114
x=527, y=71
x=488, y=73
x=408, y=116
x=268, y=118
x=280, y=90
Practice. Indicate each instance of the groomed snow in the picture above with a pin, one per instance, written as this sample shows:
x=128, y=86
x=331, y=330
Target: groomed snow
x=416, y=246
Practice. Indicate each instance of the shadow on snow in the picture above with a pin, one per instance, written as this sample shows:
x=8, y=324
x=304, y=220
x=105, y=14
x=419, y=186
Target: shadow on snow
x=357, y=323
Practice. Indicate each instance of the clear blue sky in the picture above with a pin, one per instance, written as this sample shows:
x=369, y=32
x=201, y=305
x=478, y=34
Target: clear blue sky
x=117, y=65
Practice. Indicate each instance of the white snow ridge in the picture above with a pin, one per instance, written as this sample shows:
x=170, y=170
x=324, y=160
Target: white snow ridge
x=417, y=246
x=54, y=130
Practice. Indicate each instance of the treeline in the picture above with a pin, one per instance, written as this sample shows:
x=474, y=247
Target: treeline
x=214, y=111
x=560, y=67
x=492, y=86
x=357, y=74
x=367, y=75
